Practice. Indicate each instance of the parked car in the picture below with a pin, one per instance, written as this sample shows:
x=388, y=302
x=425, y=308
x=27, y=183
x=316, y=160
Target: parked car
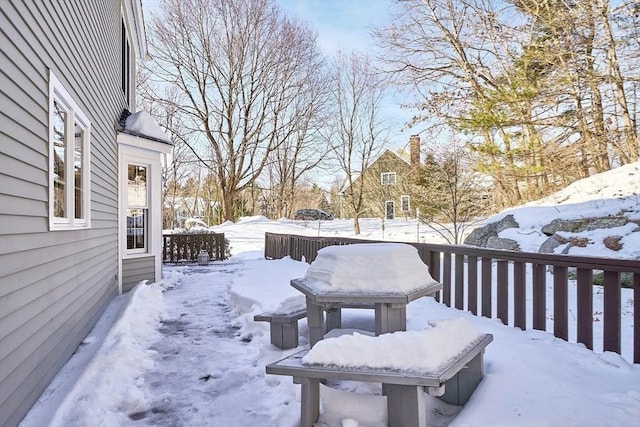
x=312, y=214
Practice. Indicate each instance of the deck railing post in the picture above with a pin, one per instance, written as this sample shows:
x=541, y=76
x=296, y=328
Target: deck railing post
x=503, y=291
x=584, y=299
x=472, y=279
x=446, y=280
x=539, y=279
x=611, y=315
x=560, y=303
x=519, y=295
x=486, y=287
x=459, y=281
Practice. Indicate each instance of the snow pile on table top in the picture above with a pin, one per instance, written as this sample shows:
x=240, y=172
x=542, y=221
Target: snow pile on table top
x=369, y=267
x=141, y=123
x=425, y=350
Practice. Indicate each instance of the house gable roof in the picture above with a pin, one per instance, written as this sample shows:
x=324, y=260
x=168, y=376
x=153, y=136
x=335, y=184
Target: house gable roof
x=394, y=154
x=357, y=176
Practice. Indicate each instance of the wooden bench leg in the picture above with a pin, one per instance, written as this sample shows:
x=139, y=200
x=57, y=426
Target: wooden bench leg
x=284, y=335
x=334, y=318
x=310, y=401
x=390, y=318
x=405, y=405
x=458, y=389
x=315, y=321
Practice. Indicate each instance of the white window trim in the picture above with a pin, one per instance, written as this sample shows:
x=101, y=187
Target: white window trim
x=388, y=175
x=408, y=203
x=131, y=14
x=133, y=149
x=133, y=154
x=146, y=250
x=58, y=93
x=129, y=92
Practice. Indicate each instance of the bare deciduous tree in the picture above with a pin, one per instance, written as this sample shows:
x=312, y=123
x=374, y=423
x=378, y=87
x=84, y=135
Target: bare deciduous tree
x=358, y=132
x=301, y=149
x=239, y=67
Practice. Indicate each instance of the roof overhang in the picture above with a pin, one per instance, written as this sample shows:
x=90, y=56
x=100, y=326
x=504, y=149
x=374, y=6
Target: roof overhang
x=144, y=143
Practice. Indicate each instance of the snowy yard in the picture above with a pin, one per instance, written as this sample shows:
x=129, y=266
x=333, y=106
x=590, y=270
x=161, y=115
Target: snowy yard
x=186, y=352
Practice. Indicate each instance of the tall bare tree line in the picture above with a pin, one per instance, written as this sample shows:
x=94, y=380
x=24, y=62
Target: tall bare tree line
x=544, y=91
x=241, y=69
x=358, y=133
x=538, y=86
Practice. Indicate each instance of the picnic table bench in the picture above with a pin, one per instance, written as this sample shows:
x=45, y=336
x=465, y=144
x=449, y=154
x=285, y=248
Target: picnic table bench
x=283, y=326
x=453, y=383
x=390, y=306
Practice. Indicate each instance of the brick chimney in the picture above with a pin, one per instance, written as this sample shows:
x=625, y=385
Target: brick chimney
x=414, y=150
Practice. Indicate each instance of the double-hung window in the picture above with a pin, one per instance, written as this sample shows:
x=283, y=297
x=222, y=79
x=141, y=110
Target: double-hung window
x=69, y=132
x=404, y=203
x=388, y=178
x=137, y=208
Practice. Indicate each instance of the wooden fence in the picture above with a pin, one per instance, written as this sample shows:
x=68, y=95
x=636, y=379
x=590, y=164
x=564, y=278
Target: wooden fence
x=512, y=286
x=185, y=247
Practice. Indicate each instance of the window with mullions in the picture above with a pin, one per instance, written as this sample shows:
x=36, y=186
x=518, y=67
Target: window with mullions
x=137, y=208
x=388, y=178
x=69, y=132
x=404, y=203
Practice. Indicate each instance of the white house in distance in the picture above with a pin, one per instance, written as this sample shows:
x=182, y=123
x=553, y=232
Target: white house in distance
x=80, y=182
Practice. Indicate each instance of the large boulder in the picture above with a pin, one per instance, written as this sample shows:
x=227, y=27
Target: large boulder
x=549, y=246
x=556, y=225
x=507, y=222
x=481, y=235
x=580, y=225
x=495, y=242
x=612, y=222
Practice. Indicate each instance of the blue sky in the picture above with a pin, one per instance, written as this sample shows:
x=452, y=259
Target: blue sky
x=342, y=24
x=346, y=24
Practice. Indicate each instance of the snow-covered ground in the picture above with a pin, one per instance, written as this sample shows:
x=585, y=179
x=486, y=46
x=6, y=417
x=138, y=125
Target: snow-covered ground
x=186, y=352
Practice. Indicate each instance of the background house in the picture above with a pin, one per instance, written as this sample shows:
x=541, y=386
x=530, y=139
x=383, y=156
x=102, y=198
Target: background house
x=388, y=183
x=80, y=212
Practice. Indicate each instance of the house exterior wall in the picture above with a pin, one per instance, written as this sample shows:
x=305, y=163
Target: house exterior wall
x=377, y=194
x=53, y=284
x=135, y=270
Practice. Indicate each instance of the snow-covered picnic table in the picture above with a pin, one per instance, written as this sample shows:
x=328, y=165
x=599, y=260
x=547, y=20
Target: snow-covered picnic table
x=445, y=361
x=386, y=276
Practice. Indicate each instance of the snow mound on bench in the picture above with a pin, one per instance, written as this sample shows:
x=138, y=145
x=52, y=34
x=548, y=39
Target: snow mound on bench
x=425, y=350
x=369, y=267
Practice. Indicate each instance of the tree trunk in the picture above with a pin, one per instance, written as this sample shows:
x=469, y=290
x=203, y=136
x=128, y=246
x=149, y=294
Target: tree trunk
x=356, y=224
x=629, y=130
